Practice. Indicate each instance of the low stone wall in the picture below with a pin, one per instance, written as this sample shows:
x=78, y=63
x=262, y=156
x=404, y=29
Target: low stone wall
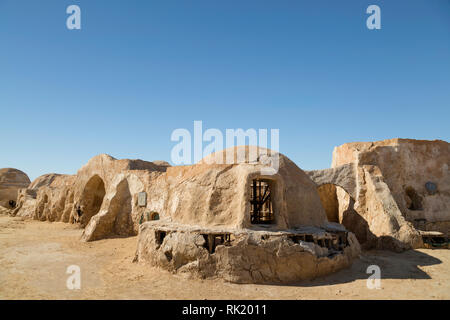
x=246, y=256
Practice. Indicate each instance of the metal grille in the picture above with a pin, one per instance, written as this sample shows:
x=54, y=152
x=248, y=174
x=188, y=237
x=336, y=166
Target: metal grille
x=261, y=203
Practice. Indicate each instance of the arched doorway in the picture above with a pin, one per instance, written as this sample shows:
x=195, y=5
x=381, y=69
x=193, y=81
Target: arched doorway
x=149, y=216
x=91, y=199
x=329, y=198
x=339, y=206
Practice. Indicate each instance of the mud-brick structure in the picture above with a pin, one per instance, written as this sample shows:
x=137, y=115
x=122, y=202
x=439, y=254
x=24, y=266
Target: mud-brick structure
x=102, y=197
x=239, y=221
x=235, y=222
x=11, y=181
x=391, y=193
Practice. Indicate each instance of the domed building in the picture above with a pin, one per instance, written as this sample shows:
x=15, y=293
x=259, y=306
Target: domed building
x=244, y=214
x=11, y=180
x=249, y=214
x=239, y=221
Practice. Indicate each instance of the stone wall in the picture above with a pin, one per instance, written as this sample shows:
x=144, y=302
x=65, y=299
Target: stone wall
x=246, y=256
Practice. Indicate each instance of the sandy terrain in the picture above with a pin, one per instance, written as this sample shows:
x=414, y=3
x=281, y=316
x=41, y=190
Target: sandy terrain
x=34, y=257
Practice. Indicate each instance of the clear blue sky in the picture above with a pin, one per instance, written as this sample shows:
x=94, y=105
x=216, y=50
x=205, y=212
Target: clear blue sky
x=137, y=70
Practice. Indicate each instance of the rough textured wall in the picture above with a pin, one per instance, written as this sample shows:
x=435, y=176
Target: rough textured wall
x=329, y=199
x=49, y=197
x=301, y=196
x=203, y=194
x=210, y=195
x=119, y=213
x=105, y=189
x=103, y=195
x=391, y=187
x=250, y=257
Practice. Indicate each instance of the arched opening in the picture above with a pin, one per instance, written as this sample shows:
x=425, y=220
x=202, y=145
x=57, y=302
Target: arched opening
x=414, y=200
x=154, y=216
x=328, y=196
x=339, y=207
x=91, y=200
x=149, y=216
x=12, y=204
x=115, y=218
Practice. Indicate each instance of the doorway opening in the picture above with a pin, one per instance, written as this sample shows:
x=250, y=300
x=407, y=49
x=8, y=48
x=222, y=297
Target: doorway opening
x=261, y=211
x=91, y=199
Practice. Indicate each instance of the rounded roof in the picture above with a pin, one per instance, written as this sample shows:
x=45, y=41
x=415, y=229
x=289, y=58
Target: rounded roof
x=44, y=180
x=215, y=192
x=240, y=154
x=10, y=177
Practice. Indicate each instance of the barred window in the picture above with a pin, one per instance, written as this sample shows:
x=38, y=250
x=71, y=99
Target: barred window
x=261, y=211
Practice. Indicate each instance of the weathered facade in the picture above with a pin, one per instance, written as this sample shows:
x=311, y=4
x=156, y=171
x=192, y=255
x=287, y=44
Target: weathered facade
x=209, y=214
x=102, y=197
x=236, y=221
x=389, y=193
x=11, y=181
x=209, y=228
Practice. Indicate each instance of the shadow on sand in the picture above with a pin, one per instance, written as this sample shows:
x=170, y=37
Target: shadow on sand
x=393, y=265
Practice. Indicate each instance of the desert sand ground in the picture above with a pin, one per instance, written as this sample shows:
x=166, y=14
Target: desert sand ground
x=34, y=257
